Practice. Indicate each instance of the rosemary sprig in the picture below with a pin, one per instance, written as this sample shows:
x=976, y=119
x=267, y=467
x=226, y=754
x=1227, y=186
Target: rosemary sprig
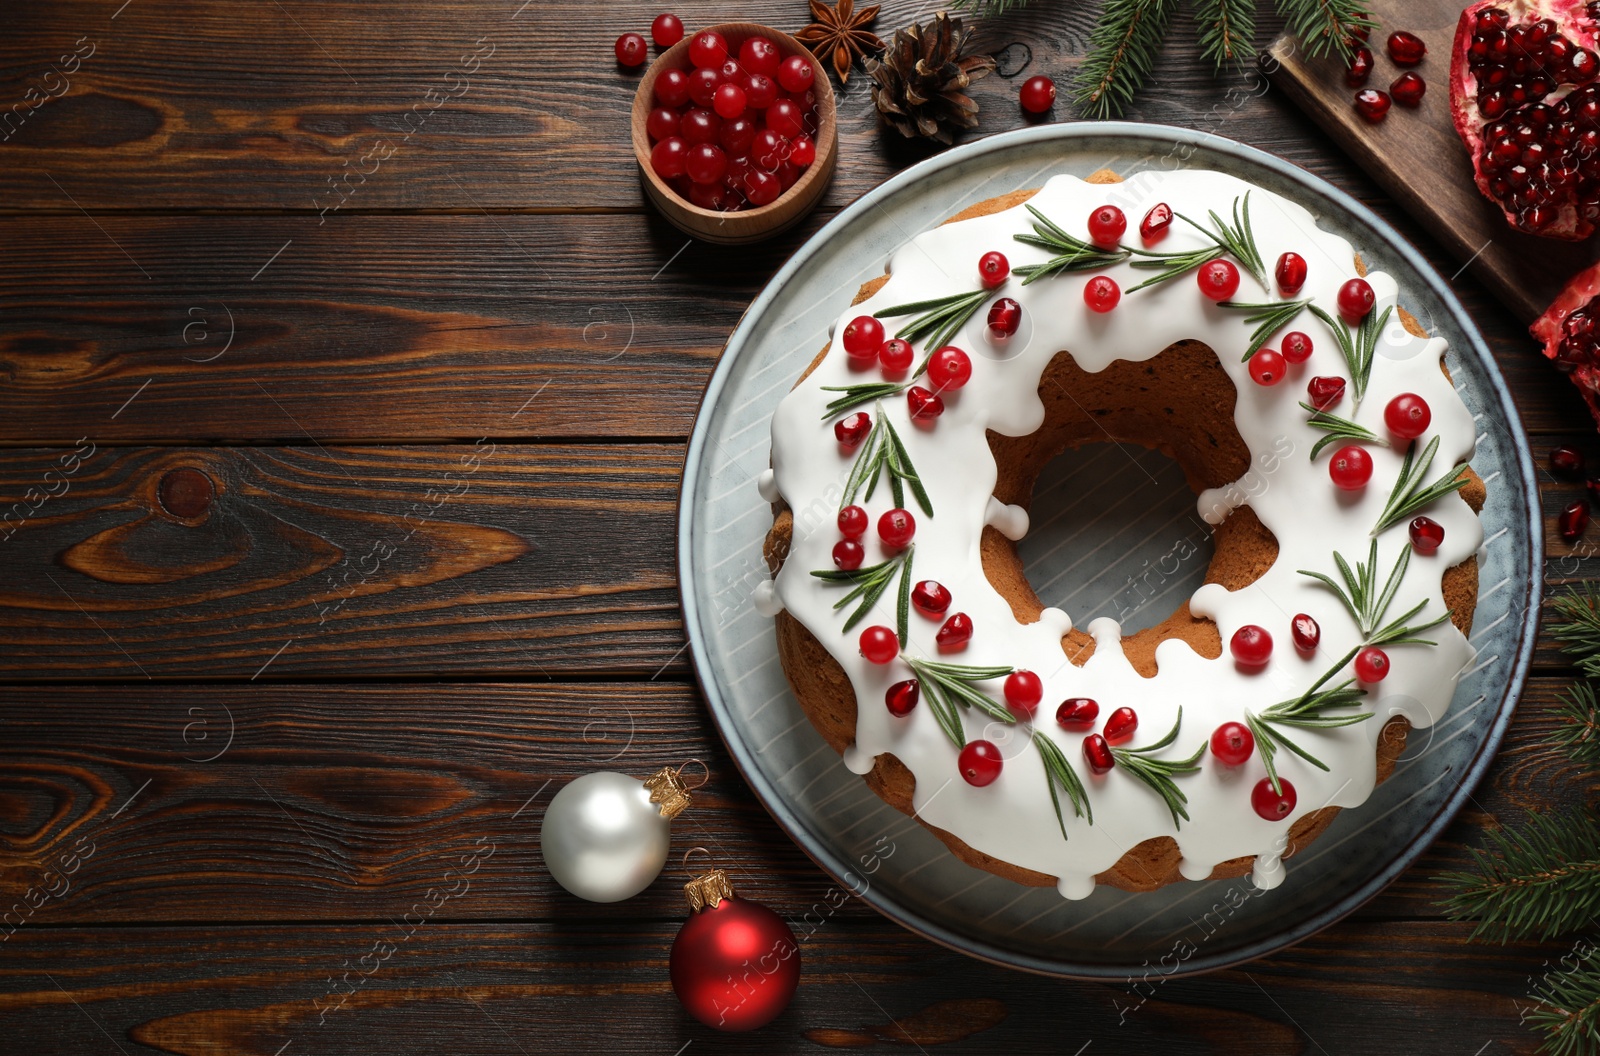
x=1057, y=771
x=1271, y=317
x=1237, y=241
x=1071, y=253
x=1338, y=429
x=868, y=585
x=1369, y=606
x=1158, y=773
x=948, y=685
x=882, y=449
x=856, y=395
x=1358, y=345
x=1410, y=493
x=940, y=317
x=1305, y=712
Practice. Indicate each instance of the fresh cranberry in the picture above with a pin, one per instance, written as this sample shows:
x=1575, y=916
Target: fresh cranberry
x=1427, y=535
x=1023, y=690
x=1120, y=726
x=862, y=336
x=1097, y=753
x=667, y=158
x=706, y=163
x=699, y=125
x=1005, y=316
x=1101, y=294
x=1291, y=273
x=1274, y=806
x=728, y=101
x=993, y=269
x=1355, y=300
x=1218, y=279
x=1251, y=645
x=902, y=697
x=708, y=50
x=784, y=117
x=672, y=88
x=737, y=136
x=852, y=429
x=703, y=85
x=1573, y=520
x=1360, y=68
x=925, y=404
x=1408, y=89
x=1406, y=49
x=896, y=355
x=760, y=55
x=1372, y=105
x=848, y=555
x=949, y=368
x=980, y=763
x=1156, y=222
x=853, y=522
x=1037, y=95
x=1350, y=468
x=1325, y=393
x=1296, y=347
x=795, y=74
x=930, y=598
x=1306, y=633
x=713, y=196
x=1267, y=367
x=1107, y=226
x=662, y=122
x=768, y=149
x=1232, y=743
x=803, y=151
x=632, y=49
x=1407, y=416
x=879, y=645
x=896, y=527
x=955, y=634
x=1372, y=664
x=762, y=188
x=667, y=29
x=1566, y=462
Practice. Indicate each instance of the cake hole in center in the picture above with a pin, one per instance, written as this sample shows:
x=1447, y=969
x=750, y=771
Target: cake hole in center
x=1115, y=532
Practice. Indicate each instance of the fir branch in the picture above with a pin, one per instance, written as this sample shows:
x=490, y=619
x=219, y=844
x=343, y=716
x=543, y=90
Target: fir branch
x=1071, y=253
x=868, y=585
x=1579, y=629
x=948, y=685
x=856, y=395
x=1338, y=430
x=1358, y=346
x=1271, y=317
x=1368, y=605
x=1306, y=712
x=883, y=449
x=987, y=7
x=1579, y=732
x=1325, y=25
x=1568, y=1008
x=940, y=317
x=1057, y=771
x=1238, y=241
x=1411, y=494
x=1122, y=51
x=1158, y=773
x=1227, y=31
x=1537, y=883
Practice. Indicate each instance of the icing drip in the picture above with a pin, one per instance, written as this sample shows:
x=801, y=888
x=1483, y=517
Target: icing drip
x=765, y=599
x=767, y=485
x=1009, y=520
x=1269, y=871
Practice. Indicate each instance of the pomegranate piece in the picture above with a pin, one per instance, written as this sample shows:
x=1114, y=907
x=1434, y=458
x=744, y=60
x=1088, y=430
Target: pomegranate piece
x=1573, y=520
x=1569, y=331
x=1360, y=68
x=1524, y=103
x=1408, y=89
x=1406, y=49
x=1372, y=105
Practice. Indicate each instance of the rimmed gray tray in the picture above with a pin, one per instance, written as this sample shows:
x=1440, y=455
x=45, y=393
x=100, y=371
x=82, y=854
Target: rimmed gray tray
x=885, y=857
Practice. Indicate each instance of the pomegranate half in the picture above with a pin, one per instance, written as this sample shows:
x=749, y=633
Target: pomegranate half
x=1569, y=330
x=1525, y=103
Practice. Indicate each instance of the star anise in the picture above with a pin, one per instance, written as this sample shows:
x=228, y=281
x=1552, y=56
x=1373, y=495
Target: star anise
x=840, y=33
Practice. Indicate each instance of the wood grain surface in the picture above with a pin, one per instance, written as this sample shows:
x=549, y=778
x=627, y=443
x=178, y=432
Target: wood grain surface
x=344, y=384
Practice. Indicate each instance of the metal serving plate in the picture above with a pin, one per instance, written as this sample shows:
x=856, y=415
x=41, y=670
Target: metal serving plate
x=885, y=856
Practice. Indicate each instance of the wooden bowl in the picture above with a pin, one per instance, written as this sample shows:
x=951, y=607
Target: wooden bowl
x=746, y=225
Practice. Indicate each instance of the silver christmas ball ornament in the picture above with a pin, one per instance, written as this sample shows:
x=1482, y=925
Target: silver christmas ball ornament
x=604, y=837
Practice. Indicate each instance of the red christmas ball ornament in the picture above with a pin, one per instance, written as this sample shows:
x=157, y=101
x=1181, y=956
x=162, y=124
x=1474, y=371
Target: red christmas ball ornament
x=735, y=964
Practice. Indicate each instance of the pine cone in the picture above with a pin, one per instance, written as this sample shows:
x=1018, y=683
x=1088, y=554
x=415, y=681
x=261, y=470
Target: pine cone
x=920, y=85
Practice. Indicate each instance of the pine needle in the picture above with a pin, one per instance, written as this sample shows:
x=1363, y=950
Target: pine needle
x=1325, y=26
x=1122, y=51
x=1579, y=732
x=1227, y=31
x=1579, y=631
x=1537, y=883
x=1567, y=1007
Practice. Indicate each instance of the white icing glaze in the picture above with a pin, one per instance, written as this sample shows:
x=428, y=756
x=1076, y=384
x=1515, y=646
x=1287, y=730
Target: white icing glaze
x=767, y=485
x=1012, y=819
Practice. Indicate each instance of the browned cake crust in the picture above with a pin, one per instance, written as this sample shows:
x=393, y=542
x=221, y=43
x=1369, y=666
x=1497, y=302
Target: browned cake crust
x=1180, y=403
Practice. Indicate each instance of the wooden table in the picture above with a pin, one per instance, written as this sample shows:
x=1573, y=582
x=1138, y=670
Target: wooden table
x=344, y=385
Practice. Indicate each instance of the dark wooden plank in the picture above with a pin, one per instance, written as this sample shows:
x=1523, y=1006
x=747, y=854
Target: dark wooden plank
x=354, y=562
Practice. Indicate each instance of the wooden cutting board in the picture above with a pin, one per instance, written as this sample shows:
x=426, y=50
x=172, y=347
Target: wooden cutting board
x=1416, y=156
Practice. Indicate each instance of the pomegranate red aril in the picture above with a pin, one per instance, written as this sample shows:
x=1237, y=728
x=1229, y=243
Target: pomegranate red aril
x=896, y=527
x=672, y=88
x=1218, y=279
x=853, y=522
x=803, y=151
x=1037, y=94
x=1154, y=226
x=666, y=30
x=706, y=163
x=949, y=368
x=1232, y=743
x=1566, y=462
x=1325, y=393
x=1408, y=89
x=1297, y=347
x=728, y=101
x=1267, y=367
x=980, y=763
x=667, y=158
x=1360, y=68
x=1407, y=416
x=1290, y=273
x=1372, y=104
x=1356, y=300
x=1306, y=633
x=1005, y=316
x=879, y=645
x=925, y=405
x=760, y=55
x=1121, y=726
x=1426, y=534
x=708, y=49
x=1251, y=645
x=1350, y=468
x=848, y=555
x=896, y=355
x=1101, y=294
x=955, y=634
x=1406, y=48
x=1372, y=665
x=1023, y=691
x=1107, y=225
x=901, y=698
x=993, y=269
x=930, y=598
x=862, y=336
x=662, y=123
x=1077, y=713
x=632, y=49
x=1097, y=753
x=1573, y=520
x=795, y=74
x=852, y=429
x=1270, y=804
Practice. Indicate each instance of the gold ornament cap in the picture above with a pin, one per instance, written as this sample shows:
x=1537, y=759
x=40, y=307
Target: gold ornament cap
x=668, y=791
x=707, y=890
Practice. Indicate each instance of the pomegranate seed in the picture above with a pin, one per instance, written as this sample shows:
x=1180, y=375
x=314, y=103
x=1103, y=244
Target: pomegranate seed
x=1573, y=520
x=1156, y=222
x=1038, y=94
x=1106, y=227
x=1350, y=468
x=1360, y=68
x=1291, y=273
x=1232, y=743
x=1426, y=535
x=796, y=74
x=993, y=269
x=1077, y=713
x=1408, y=89
x=852, y=522
x=949, y=368
x=1120, y=726
x=1593, y=487
x=851, y=430
x=848, y=555
x=1101, y=294
x=1097, y=753
x=667, y=157
x=1372, y=664
x=895, y=355
x=902, y=697
x=1251, y=645
x=862, y=336
x=667, y=29
x=1407, y=416
x=1356, y=300
x=930, y=598
x=672, y=88
x=760, y=55
x=1023, y=690
x=896, y=527
x=728, y=101
x=1218, y=279
x=1372, y=105
x=1406, y=49
x=632, y=49
x=1267, y=367
x=925, y=405
x=1274, y=806
x=955, y=634
x=708, y=50
x=1566, y=461
x=879, y=645
x=980, y=763
x=1306, y=633
x=1325, y=393
x=1296, y=347
x=1005, y=316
